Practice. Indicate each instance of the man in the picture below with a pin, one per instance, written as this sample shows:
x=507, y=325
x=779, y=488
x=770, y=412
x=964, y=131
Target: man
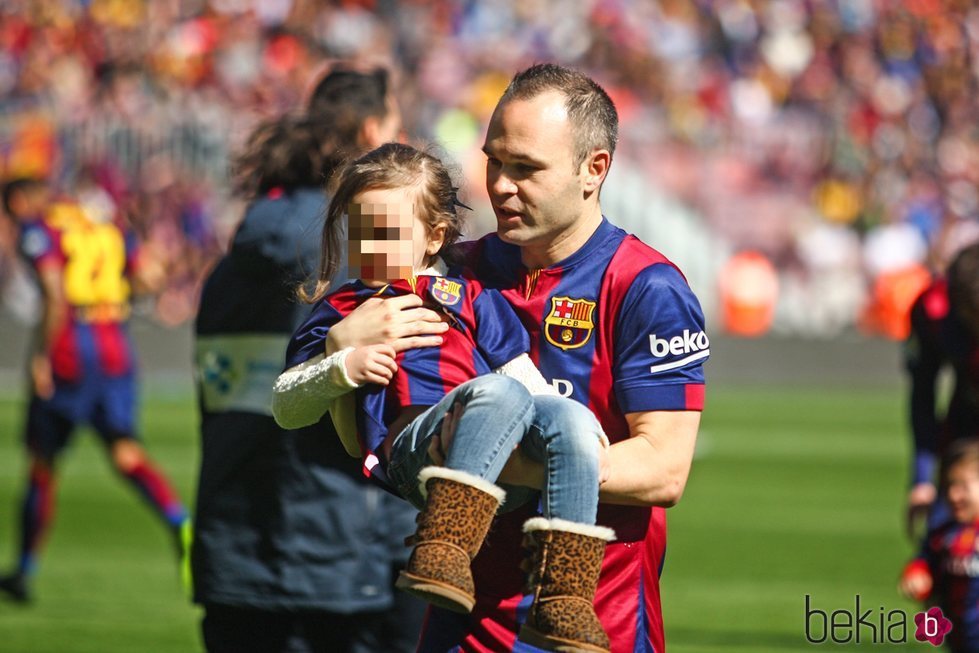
x=944, y=334
x=613, y=324
x=82, y=363
x=293, y=548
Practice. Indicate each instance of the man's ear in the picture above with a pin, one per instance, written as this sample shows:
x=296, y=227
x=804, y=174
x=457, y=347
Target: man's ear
x=594, y=170
x=436, y=238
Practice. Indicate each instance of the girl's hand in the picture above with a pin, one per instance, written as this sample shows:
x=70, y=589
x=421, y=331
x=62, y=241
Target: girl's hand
x=371, y=364
x=400, y=322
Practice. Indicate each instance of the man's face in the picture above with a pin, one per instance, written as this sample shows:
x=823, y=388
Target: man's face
x=387, y=239
x=963, y=491
x=532, y=183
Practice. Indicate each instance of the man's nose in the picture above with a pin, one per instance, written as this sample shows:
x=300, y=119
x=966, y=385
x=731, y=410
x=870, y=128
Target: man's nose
x=500, y=184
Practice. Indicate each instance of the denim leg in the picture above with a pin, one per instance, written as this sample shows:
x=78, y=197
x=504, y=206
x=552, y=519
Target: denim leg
x=497, y=412
x=564, y=437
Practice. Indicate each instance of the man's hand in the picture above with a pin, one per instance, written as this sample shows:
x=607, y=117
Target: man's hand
x=371, y=364
x=920, y=498
x=604, y=464
x=41, y=376
x=439, y=445
x=400, y=322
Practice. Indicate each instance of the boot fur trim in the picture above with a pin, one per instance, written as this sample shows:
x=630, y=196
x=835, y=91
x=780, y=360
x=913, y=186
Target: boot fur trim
x=434, y=471
x=588, y=530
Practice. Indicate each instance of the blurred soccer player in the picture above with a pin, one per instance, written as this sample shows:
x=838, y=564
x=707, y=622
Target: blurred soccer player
x=945, y=571
x=82, y=364
x=944, y=334
x=294, y=550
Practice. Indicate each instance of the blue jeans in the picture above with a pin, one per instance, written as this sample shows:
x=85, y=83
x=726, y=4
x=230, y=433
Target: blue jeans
x=499, y=414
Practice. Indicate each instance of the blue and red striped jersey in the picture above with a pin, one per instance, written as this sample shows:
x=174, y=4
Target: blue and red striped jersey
x=94, y=260
x=951, y=554
x=485, y=334
x=616, y=327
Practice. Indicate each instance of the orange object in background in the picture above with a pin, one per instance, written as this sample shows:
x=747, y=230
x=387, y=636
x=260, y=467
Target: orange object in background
x=748, y=293
x=889, y=312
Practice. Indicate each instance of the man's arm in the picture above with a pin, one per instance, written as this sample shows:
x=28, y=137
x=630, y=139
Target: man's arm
x=53, y=314
x=650, y=468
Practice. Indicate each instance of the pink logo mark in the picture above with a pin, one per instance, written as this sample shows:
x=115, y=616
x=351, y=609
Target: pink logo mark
x=932, y=626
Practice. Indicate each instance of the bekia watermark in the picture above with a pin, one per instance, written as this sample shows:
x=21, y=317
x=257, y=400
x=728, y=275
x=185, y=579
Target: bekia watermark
x=873, y=625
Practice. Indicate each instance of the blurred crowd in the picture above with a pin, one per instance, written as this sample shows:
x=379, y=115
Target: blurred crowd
x=835, y=139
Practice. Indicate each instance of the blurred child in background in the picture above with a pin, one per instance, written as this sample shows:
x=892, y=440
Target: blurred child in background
x=946, y=571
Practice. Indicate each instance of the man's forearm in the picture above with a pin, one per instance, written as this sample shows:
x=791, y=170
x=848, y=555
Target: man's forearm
x=652, y=466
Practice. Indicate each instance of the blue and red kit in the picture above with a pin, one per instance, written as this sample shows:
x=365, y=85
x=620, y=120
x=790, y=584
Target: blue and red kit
x=616, y=327
x=950, y=554
x=938, y=339
x=91, y=355
x=485, y=333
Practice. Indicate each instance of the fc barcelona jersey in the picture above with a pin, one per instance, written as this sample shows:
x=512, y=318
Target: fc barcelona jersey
x=94, y=260
x=616, y=327
x=485, y=333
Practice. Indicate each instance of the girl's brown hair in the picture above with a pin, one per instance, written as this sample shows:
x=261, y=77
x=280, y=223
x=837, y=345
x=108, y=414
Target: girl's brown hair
x=391, y=166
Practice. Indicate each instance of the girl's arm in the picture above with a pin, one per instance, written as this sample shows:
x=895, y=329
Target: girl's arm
x=302, y=394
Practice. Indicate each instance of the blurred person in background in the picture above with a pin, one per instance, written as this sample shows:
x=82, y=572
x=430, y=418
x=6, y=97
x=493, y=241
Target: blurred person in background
x=944, y=335
x=82, y=364
x=294, y=549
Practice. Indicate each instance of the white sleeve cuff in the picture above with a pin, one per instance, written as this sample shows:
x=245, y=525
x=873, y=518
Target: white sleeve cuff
x=302, y=394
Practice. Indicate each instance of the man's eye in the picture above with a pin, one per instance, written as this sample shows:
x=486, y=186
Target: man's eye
x=493, y=161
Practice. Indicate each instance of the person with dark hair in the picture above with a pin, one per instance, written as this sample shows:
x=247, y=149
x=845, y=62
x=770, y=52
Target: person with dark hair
x=83, y=363
x=613, y=325
x=293, y=546
x=944, y=334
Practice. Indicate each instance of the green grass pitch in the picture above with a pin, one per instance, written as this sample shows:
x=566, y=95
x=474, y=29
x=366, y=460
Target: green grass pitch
x=794, y=491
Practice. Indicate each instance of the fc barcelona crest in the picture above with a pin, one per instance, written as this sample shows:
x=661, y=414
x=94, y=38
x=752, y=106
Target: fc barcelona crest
x=569, y=323
x=446, y=292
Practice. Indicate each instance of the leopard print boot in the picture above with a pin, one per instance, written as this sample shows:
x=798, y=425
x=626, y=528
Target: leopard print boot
x=451, y=529
x=563, y=575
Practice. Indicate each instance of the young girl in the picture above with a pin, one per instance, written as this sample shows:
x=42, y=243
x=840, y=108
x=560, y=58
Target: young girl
x=946, y=572
x=402, y=221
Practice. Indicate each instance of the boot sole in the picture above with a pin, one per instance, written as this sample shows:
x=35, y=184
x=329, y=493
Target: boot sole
x=530, y=636
x=439, y=594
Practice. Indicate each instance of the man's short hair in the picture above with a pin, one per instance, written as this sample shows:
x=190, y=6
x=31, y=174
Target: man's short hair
x=594, y=120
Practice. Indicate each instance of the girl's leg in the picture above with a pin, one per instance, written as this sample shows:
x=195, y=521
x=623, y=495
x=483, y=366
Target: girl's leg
x=497, y=412
x=565, y=437
x=460, y=499
x=566, y=546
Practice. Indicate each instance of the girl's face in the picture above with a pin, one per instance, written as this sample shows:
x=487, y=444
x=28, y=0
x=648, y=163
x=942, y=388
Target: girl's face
x=387, y=238
x=963, y=491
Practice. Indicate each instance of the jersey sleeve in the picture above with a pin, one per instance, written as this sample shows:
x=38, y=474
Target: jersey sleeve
x=660, y=344
x=309, y=340
x=39, y=246
x=500, y=336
